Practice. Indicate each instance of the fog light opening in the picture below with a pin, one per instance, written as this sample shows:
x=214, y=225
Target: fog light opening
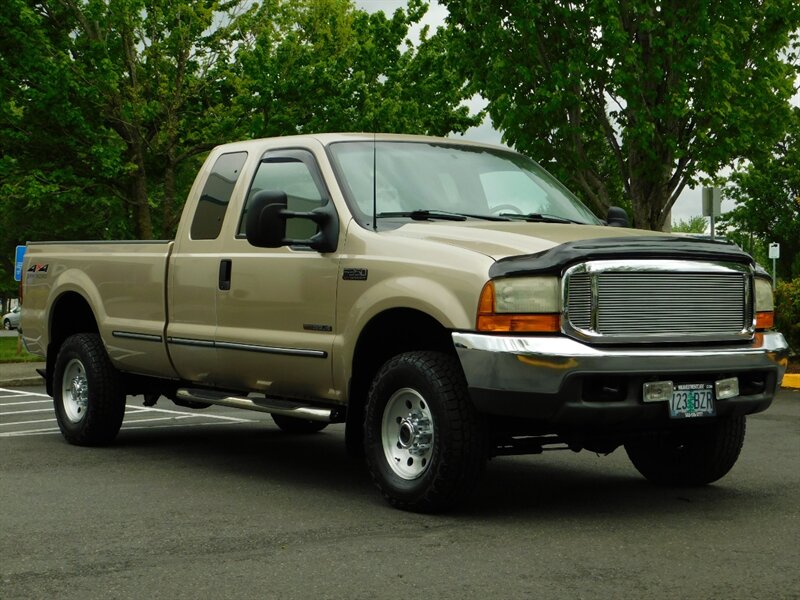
x=726, y=388
x=657, y=391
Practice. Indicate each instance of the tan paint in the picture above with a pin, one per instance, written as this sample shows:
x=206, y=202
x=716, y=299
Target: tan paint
x=123, y=283
x=280, y=299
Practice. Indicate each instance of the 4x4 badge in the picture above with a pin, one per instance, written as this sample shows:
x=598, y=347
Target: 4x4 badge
x=355, y=274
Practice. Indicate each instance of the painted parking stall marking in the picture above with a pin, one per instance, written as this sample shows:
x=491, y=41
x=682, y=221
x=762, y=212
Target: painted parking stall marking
x=29, y=413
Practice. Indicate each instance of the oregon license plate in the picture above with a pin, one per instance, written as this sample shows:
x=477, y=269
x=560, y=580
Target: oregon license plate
x=692, y=400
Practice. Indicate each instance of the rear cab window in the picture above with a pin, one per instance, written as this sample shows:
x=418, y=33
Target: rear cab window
x=216, y=194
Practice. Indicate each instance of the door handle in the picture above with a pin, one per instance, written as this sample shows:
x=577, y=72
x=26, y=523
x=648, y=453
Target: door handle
x=225, y=268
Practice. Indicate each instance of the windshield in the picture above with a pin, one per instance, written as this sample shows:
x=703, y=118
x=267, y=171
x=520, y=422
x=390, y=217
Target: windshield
x=426, y=178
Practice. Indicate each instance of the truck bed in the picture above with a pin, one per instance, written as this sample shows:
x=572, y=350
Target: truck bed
x=125, y=285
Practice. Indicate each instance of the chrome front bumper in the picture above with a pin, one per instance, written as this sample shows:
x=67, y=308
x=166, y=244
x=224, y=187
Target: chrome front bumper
x=549, y=370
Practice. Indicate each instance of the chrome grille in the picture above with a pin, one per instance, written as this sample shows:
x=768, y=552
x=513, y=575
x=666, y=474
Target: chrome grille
x=623, y=303
x=579, y=301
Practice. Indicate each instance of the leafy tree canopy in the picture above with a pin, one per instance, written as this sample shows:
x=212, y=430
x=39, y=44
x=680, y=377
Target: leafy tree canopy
x=767, y=195
x=322, y=65
x=631, y=99
x=695, y=224
x=106, y=107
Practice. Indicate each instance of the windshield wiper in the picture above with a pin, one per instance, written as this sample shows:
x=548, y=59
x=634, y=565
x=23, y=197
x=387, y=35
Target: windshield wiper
x=539, y=218
x=427, y=214
x=423, y=215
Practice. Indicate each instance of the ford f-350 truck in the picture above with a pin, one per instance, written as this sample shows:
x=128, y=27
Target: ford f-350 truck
x=448, y=301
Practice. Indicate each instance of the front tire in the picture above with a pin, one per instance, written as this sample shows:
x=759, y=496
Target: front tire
x=7, y=325
x=694, y=456
x=87, y=392
x=425, y=446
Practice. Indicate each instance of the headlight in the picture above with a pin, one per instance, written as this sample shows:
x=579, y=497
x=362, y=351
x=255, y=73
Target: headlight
x=765, y=305
x=527, y=295
x=520, y=304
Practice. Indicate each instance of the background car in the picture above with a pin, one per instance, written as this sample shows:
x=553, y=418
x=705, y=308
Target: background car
x=11, y=319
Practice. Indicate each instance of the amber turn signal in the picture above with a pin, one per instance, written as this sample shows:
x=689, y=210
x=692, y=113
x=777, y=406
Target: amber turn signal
x=491, y=321
x=765, y=320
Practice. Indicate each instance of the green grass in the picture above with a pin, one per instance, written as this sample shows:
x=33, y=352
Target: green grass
x=8, y=352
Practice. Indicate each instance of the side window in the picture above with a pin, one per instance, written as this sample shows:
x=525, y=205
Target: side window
x=294, y=173
x=215, y=196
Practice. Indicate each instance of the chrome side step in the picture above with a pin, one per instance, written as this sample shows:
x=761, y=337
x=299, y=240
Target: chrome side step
x=261, y=403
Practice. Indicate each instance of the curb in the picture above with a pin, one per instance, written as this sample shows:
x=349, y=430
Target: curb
x=791, y=380
x=22, y=382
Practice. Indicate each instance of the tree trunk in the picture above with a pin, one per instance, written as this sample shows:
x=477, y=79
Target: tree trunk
x=144, y=225
x=169, y=197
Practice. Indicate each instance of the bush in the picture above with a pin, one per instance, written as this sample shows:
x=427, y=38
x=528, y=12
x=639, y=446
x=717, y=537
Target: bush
x=787, y=312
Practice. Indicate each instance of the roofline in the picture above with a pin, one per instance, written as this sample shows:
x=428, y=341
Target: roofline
x=325, y=139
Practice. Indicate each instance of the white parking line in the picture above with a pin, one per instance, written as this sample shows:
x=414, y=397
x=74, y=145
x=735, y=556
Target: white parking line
x=167, y=426
x=17, y=392
x=136, y=417
x=28, y=422
x=2, y=404
x=177, y=412
x=151, y=419
x=30, y=432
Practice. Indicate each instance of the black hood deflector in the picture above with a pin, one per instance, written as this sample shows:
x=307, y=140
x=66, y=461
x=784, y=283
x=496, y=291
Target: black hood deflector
x=555, y=260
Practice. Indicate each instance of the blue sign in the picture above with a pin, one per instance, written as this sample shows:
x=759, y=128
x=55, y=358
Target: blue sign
x=18, y=263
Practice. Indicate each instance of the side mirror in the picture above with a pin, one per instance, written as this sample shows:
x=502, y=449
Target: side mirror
x=265, y=225
x=617, y=217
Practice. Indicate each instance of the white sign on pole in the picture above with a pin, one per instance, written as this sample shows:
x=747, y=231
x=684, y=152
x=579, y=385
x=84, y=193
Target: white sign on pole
x=712, y=202
x=774, y=250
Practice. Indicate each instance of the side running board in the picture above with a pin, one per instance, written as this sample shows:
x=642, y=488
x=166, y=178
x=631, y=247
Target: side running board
x=261, y=403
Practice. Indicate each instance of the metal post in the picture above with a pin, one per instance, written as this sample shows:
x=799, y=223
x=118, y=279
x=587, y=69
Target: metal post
x=774, y=270
x=774, y=254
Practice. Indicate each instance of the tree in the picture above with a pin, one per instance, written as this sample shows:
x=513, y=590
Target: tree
x=322, y=65
x=767, y=196
x=692, y=225
x=107, y=107
x=102, y=101
x=632, y=98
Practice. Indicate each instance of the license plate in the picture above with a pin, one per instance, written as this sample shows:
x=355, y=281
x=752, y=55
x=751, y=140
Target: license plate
x=691, y=400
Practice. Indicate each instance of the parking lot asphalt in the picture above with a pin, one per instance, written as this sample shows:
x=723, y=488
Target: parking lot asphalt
x=219, y=503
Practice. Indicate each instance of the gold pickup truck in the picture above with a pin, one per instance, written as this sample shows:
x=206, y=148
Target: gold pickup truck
x=448, y=301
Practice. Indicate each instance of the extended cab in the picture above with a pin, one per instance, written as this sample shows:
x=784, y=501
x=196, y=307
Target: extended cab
x=449, y=301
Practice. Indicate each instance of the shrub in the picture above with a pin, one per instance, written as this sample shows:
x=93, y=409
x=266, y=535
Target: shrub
x=787, y=312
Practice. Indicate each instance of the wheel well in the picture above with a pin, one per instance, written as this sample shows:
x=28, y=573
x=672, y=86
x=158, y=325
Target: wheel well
x=71, y=314
x=386, y=335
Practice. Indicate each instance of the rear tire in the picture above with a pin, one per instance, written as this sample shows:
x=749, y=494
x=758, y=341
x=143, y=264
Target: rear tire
x=695, y=456
x=87, y=392
x=295, y=425
x=425, y=446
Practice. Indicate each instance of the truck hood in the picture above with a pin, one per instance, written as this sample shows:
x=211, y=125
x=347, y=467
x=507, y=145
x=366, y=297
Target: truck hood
x=499, y=240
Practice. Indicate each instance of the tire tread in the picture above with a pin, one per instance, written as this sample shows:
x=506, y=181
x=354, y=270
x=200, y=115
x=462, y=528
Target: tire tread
x=459, y=466
x=106, y=408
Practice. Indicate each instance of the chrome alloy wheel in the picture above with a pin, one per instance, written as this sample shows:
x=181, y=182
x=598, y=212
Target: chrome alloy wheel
x=75, y=391
x=407, y=434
